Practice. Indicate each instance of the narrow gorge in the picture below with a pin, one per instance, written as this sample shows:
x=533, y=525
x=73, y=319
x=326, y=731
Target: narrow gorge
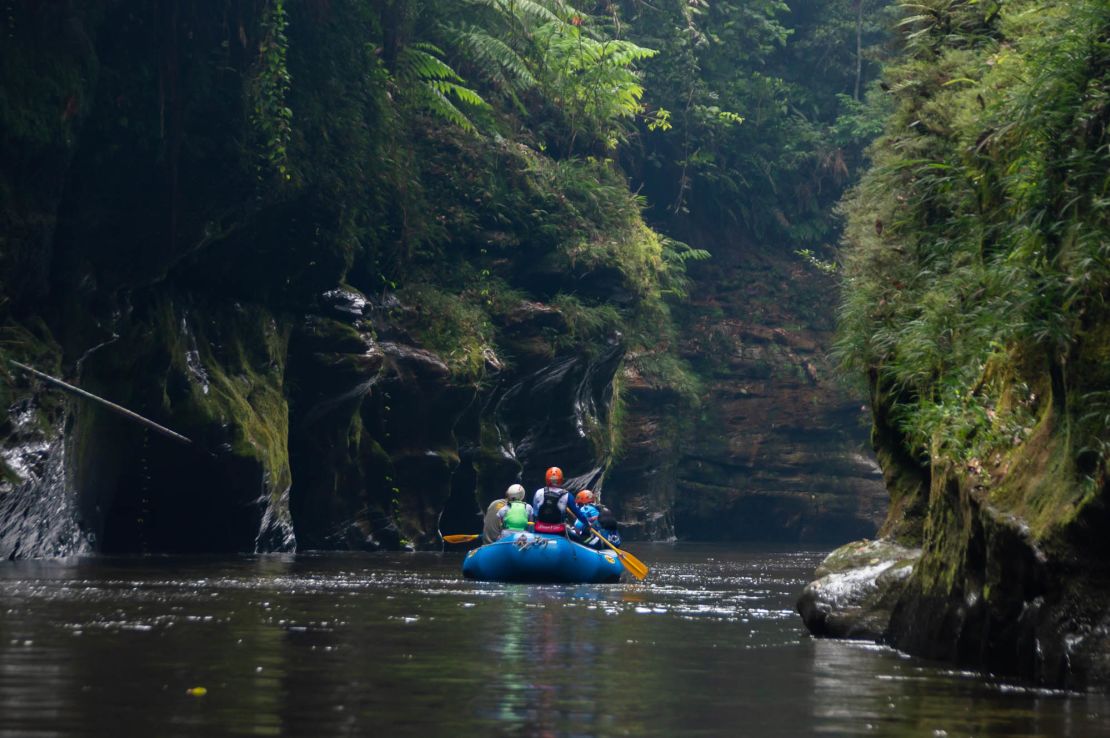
x=236, y=225
x=813, y=275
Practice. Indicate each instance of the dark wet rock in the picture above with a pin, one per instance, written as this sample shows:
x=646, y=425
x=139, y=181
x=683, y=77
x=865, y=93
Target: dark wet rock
x=215, y=375
x=778, y=449
x=372, y=439
x=346, y=301
x=990, y=594
x=640, y=487
x=990, y=590
x=385, y=431
x=857, y=588
x=530, y=317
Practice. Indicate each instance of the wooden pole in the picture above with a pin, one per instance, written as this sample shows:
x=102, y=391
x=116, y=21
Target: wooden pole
x=118, y=409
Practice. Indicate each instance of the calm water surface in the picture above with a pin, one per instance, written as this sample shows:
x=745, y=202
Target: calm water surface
x=401, y=645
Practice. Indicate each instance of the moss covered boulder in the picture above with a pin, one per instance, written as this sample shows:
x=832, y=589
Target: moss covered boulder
x=857, y=587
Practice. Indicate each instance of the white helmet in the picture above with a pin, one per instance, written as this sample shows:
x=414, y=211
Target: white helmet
x=516, y=492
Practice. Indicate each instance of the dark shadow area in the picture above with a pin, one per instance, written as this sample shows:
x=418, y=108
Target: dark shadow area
x=142, y=493
x=461, y=513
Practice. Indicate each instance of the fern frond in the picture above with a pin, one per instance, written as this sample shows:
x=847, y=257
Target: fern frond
x=500, y=63
x=623, y=53
x=420, y=62
x=431, y=83
x=464, y=94
x=436, y=102
x=528, y=12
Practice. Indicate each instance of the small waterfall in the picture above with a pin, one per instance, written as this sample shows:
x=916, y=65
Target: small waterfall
x=193, y=361
x=38, y=516
x=593, y=401
x=589, y=480
x=275, y=532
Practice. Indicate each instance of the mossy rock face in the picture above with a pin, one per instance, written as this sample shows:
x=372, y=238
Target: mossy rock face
x=38, y=517
x=414, y=418
x=1012, y=576
x=215, y=374
x=373, y=437
x=558, y=415
x=640, y=485
x=989, y=593
x=907, y=478
x=48, y=71
x=33, y=414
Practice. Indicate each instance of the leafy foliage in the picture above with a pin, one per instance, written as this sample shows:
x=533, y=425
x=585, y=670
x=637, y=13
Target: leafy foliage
x=270, y=114
x=767, y=127
x=591, y=80
x=425, y=78
x=977, y=253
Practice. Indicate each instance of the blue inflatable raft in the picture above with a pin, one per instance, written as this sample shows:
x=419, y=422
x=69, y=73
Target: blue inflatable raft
x=535, y=557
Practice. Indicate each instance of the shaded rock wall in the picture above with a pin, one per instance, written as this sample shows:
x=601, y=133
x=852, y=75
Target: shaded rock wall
x=779, y=450
x=641, y=486
x=1012, y=576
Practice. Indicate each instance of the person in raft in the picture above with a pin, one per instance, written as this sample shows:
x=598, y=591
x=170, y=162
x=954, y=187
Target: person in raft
x=551, y=503
x=607, y=524
x=585, y=501
x=601, y=518
x=516, y=515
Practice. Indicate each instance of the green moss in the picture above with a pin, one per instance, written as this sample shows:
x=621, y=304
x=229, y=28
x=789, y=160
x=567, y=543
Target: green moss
x=618, y=416
x=235, y=362
x=47, y=82
x=32, y=344
x=456, y=327
x=246, y=390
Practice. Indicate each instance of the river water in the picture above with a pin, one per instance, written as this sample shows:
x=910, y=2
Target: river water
x=401, y=645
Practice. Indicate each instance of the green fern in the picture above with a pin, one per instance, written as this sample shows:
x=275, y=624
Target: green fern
x=527, y=12
x=497, y=60
x=434, y=85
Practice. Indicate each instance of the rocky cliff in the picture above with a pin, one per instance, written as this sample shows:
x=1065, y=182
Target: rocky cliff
x=778, y=449
x=978, y=312
x=369, y=323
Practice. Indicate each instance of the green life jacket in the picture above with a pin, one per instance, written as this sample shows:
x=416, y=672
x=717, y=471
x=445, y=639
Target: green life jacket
x=517, y=516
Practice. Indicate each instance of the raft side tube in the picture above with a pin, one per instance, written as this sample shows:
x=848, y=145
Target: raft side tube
x=541, y=558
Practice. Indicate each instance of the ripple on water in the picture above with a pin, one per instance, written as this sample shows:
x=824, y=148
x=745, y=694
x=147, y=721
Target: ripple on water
x=402, y=645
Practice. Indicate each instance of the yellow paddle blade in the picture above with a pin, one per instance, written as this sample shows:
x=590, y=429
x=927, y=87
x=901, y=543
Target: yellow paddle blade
x=632, y=565
x=460, y=538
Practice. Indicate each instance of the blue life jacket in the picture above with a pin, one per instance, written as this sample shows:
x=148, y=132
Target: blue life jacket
x=591, y=513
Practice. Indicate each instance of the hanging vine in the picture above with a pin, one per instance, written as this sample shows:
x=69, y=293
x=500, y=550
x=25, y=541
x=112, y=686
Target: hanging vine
x=270, y=115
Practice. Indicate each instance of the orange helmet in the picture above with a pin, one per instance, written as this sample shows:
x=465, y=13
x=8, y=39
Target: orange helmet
x=585, y=497
x=553, y=477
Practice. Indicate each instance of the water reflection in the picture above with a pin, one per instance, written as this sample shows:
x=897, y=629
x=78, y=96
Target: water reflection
x=312, y=645
x=868, y=688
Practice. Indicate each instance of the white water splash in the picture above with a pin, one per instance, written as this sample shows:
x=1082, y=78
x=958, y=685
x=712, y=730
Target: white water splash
x=275, y=531
x=38, y=516
x=192, y=358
